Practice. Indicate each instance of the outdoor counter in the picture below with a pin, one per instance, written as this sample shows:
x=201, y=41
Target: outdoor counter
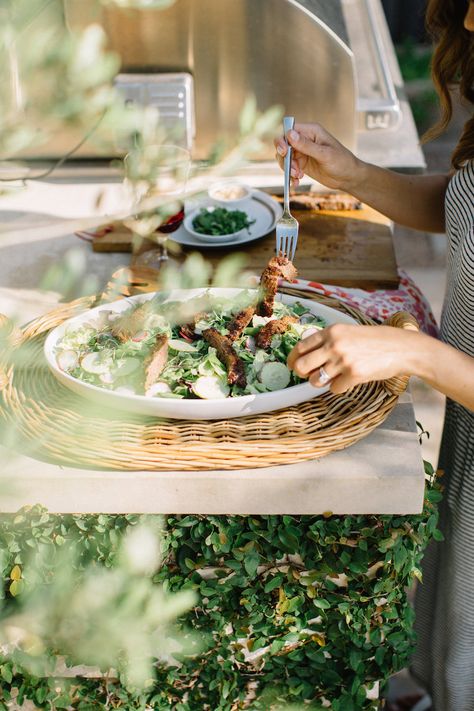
x=300, y=571
x=382, y=473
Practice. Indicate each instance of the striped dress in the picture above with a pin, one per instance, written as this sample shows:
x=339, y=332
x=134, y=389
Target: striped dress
x=444, y=659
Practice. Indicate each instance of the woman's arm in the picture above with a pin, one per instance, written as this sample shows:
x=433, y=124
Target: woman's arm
x=357, y=354
x=414, y=201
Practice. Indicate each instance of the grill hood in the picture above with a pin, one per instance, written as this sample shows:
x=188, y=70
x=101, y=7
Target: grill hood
x=329, y=61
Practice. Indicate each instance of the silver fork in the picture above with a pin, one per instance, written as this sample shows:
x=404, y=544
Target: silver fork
x=287, y=226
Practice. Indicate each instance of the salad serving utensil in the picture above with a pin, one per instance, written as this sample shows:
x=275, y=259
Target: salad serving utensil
x=287, y=226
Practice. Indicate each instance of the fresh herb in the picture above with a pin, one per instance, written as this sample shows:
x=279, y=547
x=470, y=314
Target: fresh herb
x=220, y=221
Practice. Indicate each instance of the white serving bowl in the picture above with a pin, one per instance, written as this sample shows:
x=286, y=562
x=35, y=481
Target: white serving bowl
x=212, y=239
x=221, y=194
x=187, y=409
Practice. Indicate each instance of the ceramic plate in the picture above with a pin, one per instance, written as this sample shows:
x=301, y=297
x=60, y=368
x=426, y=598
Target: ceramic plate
x=261, y=207
x=187, y=408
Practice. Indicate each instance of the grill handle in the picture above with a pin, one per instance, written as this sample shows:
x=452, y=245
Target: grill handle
x=384, y=112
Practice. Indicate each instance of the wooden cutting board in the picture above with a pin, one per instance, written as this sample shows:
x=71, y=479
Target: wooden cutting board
x=350, y=248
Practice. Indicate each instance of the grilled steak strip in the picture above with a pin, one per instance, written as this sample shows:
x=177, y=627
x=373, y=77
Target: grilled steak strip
x=226, y=354
x=240, y=322
x=277, y=268
x=272, y=328
x=126, y=326
x=157, y=361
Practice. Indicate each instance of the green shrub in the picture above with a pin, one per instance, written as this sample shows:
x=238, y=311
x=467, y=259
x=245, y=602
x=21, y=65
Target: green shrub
x=291, y=609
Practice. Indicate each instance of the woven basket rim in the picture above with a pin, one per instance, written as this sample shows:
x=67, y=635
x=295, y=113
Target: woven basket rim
x=66, y=430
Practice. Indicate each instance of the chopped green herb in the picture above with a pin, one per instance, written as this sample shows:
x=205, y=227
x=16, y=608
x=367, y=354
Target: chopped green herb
x=220, y=221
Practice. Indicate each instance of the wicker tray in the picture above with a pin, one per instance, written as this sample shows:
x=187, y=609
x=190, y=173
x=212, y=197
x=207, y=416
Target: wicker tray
x=54, y=423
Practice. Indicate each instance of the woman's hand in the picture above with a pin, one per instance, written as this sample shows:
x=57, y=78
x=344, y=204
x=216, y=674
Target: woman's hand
x=321, y=156
x=357, y=354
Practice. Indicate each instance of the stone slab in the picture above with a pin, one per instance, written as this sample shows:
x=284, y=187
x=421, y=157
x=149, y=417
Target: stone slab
x=381, y=474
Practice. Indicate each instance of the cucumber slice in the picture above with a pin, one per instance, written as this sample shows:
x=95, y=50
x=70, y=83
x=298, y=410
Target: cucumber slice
x=261, y=357
x=275, y=376
x=95, y=363
x=177, y=345
x=210, y=387
x=160, y=388
x=126, y=366
x=206, y=368
x=67, y=360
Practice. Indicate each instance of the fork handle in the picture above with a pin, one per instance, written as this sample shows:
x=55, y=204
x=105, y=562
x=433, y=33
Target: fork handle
x=288, y=123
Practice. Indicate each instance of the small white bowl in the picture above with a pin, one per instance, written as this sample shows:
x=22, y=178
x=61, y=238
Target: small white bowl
x=229, y=193
x=214, y=239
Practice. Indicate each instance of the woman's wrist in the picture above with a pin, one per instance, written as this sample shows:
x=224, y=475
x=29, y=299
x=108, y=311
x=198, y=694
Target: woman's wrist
x=420, y=355
x=358, y=180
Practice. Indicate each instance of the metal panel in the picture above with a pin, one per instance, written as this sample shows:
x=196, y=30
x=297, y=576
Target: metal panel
x=171, y=93
x=275, y=49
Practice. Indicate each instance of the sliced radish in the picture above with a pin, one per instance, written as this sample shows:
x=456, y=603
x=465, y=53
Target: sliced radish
x=96, y=363
x=177, y=345
x=210, y=387
x=122, y=390
x=140, y=336
x=275, y=376
x=126, y=366
x=187, y=338
x=250, y=344
x=201, y=326
x=67, y=360
x=309, y=332
x=159, y=388
x=107, y=378
x=258, y=321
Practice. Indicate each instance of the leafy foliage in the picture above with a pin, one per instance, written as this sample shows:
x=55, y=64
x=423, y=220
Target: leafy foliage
x=290, y=609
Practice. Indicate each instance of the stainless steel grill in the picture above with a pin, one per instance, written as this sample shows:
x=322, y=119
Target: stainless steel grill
x=326, y=60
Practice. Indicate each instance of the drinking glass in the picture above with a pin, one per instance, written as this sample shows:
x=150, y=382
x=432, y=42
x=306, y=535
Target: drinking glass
x=155, y=181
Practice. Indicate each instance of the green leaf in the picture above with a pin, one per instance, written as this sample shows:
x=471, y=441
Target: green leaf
x=273, y=583
x=434, y=496
x=6, y=672
x=251, y=562
x=321, y=603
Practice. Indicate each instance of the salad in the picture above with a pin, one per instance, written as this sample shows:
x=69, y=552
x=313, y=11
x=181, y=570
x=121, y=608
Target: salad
x=226, y=348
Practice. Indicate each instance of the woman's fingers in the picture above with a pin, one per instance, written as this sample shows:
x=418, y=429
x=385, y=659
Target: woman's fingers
x=324, y=374
x=281, y=146
x=305, y=146
x=306, y=357
x=297, y=161
x=306, y=345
